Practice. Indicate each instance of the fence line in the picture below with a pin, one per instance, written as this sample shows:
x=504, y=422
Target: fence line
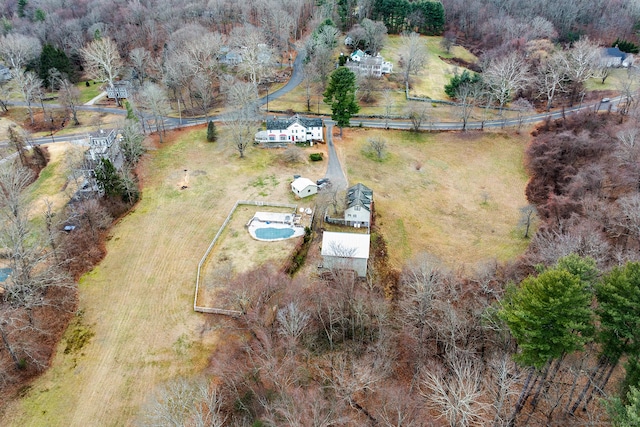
x=233, y=313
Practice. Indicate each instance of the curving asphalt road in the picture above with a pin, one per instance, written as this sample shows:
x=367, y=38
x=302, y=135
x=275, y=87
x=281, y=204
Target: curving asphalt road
x=297, y=76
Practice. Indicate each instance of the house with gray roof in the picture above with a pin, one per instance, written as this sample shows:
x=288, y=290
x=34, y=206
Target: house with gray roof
x=614, y=57
x=5, y=73
x=295, y=129
x=103, y=144
x=120, y=90
x=359, y=205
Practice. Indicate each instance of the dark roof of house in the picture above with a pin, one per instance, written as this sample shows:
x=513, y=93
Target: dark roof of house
x=615, y=52
x=359, y=195
x=277, y=123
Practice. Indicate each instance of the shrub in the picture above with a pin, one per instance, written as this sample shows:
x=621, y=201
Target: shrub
x=212, y=133
x=315, y=157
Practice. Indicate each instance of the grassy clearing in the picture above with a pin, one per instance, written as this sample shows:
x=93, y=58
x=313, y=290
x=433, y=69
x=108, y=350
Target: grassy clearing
x=137, y=302
x=87, y=93
x=429, y=83
x=454, y=195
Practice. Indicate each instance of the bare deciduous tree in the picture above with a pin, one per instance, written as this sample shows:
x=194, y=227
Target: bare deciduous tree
x=153, y=99
x=242, y=122
x=141, y=61
x=582, y=61
x=413, y=55
x=17, y=50
x=182, y=402
x=506, y=76
x=418, y=113
x=551, y=75
x=378, y=145
x=29, y=85
x=69, y=96
x=103, y=61
x=456, y=395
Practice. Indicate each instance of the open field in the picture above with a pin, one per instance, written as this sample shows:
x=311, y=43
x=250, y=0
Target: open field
x=429, y=195
x=429, y=83
x=138, y=301
x=453, y=195
x=437, y=73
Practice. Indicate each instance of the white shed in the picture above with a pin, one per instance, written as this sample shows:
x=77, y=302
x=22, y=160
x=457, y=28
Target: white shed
x=303, y=187
x=348, y=251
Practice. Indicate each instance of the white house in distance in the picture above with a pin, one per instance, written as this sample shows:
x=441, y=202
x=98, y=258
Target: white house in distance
x=367, y=65
x=291, y=130
x=119, y=90
x=614, y=57
x=345, y=251
x=303, y=187
x=359, y=201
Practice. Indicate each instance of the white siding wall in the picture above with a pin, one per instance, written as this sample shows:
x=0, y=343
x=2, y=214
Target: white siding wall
x=359, y=265
x=353, y=215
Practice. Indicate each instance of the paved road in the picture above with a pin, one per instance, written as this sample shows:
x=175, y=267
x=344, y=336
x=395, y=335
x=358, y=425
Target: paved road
x=334, y=170
x=297, y=75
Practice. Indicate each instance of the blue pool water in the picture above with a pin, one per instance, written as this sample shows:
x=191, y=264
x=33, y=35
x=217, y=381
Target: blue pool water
x=4, y=273
x=271, y=233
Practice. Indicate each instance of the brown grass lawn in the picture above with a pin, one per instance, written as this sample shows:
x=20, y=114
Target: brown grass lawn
x=453, y=195
x=236, y=251
x=430, y=82
x=138, y=301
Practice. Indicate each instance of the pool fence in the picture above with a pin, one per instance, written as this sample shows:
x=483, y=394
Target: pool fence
x=213, y=310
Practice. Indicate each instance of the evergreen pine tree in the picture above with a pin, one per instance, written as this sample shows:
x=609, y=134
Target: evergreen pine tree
x=212, y=133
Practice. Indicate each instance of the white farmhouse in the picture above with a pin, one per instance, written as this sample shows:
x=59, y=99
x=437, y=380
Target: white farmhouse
x=367, y=65
x=359, y=201
x=345, y=251
x=292, y=130
x=303, y=187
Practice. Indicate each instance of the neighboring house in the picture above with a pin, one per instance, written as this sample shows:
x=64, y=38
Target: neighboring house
x=292, y=130
x=614, y=57
x=120, y=90
x=303, y=187
x=228, y=56
x=345, y=251
x=102, y=145
x=358, y=55
x=359, y=204
x=5, y=73
x=369, y=65
x=348, y=41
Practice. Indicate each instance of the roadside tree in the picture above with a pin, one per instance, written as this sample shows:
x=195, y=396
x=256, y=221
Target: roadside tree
x=505, y=76
x=29, y=85
x=243, y=120
x=340, y=94
x=69, y=96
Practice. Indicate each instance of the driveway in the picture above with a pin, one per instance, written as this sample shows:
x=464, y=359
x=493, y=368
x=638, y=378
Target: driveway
x=334, y=169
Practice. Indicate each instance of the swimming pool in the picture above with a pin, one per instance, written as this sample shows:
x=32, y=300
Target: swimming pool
x=271, y=233
x=4, y=273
